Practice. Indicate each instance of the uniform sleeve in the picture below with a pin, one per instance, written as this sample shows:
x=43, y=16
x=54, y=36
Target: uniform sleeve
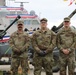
x=58, y=42
x=27, y=44
x=74, y=42
x=52, y=43
x=34, y=43
x=11, y=43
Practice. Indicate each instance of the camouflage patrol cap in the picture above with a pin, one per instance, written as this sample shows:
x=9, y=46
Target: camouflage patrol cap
x=43, y=19
x=20, y=22
x=67, y=19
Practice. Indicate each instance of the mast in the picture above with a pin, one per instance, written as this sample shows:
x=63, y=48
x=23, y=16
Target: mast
x=2, y=2
x=21, y=4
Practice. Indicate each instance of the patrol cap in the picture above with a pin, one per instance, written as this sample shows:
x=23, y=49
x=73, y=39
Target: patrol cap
x=43, y=19
x=20, y=22
x=67, y=19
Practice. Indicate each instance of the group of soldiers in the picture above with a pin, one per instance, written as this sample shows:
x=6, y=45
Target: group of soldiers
x=43, y=42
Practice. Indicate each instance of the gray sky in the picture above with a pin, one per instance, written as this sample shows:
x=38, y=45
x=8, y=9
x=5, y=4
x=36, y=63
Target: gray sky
x=53, y=10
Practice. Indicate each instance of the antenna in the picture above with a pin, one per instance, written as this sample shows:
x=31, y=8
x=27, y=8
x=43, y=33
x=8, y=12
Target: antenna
x=21, y=4
x=2, y=2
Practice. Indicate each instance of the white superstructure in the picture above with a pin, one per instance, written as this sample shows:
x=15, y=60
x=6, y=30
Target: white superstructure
x=8, y=14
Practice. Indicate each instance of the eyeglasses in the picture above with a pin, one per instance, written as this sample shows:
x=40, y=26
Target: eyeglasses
x=20, y=24
x=43, y=22
x=66, y=21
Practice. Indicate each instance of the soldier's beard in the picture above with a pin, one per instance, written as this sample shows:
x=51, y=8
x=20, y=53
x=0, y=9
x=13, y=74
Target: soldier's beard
x=19, y=27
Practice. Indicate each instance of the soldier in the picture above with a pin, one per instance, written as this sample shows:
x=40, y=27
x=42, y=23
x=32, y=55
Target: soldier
x=19, y=42
x=43, y=41
x=66, y=39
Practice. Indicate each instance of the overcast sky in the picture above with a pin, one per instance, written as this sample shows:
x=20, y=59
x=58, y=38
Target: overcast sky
x=53, y=10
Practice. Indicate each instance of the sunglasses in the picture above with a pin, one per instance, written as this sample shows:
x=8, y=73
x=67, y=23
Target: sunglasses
x=20, y=24
x=66, y=21
x=43, y=22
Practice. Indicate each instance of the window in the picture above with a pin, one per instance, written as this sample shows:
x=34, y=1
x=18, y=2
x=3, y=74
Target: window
x=35, y=22
x=19, y=12
x=12, y=12
x=12, y=21
x=31, y=22
x=27, y=22
x=3, y=14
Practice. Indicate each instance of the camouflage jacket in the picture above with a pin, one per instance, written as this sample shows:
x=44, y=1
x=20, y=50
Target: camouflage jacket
x=66, y=39
x=44, y=40
x=19, y=41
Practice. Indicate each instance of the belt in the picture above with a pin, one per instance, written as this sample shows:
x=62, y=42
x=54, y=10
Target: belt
x=43, y=49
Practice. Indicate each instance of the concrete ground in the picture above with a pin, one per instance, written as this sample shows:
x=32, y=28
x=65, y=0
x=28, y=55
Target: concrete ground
x=7, y=68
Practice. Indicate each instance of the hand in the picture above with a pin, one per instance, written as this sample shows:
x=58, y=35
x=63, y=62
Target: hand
x=65, y=51
x=45, y=52
x=21, y=49
x=42, y=53
x=17, y=51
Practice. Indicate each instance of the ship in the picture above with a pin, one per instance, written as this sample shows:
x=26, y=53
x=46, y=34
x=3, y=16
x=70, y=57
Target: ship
x=31, y=23
x=7, y=16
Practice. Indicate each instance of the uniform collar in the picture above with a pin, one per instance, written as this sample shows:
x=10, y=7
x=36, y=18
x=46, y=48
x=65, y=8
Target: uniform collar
x=43, y=30
x=66, y=29
x=19, y=32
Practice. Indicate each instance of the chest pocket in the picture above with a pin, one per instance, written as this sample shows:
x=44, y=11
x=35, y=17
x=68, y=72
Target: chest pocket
x=38, y=36
x=66, y=38
x=48, y=37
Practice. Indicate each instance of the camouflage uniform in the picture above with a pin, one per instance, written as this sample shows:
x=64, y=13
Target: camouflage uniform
x=19, y=41
x=43, y=41
x=66, y=39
